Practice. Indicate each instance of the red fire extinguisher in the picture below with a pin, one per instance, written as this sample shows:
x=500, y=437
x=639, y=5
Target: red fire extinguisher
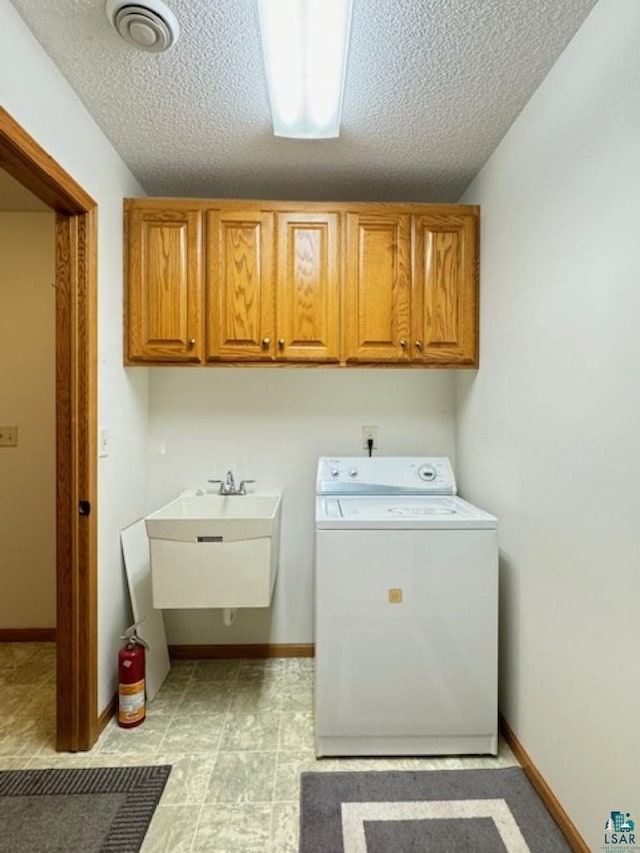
x=131, y=671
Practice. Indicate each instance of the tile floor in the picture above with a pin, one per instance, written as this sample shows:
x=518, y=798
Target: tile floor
x=237, y=733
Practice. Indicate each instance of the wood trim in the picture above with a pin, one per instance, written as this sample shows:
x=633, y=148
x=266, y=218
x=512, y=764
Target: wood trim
x=107, y=714
x=36, y=170
x=565, y=824
x=76, y=430
x=232, y=205
x=256, y=650
x=27, y=635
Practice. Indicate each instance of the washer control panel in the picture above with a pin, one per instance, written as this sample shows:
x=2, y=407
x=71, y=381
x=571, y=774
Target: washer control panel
x=385, y=475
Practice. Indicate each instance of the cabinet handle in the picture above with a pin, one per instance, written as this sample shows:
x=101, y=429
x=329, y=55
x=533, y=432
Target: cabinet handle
x=281, y=343
x=192, y=342
x=403, y=344
x=420, y=345
x=266, y=343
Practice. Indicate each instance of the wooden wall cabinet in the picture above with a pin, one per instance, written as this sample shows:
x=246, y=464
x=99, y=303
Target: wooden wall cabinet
x=230, y=282
x=308, y=287
x=272, y=282
x=444, y=300
x=163, y=294
x=240, y=292
x=378, y=287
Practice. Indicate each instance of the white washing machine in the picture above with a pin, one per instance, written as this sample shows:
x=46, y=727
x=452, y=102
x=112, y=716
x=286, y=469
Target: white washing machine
x=406, y=611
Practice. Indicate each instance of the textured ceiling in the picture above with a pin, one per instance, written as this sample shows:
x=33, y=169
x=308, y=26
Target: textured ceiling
x=432, y=87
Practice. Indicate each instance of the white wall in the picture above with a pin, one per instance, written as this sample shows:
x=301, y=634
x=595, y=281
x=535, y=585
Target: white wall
x=549, y=428
x=36, y=95
x=27, y=400
x=273, y=424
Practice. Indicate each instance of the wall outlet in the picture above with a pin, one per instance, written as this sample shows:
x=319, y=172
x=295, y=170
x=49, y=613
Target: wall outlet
x=8, y=436
x=367, y=433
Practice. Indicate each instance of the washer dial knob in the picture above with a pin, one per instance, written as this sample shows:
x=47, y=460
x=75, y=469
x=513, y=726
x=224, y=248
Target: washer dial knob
x=427, y=473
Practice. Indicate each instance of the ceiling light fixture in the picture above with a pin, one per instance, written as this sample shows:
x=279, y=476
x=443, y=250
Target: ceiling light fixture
x=304, y=44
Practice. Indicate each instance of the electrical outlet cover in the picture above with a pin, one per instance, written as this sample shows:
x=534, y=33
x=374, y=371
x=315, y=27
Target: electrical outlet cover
x=367, y=433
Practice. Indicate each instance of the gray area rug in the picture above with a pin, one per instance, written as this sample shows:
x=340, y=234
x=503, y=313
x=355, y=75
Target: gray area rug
x=93, y=810
x=481, y=811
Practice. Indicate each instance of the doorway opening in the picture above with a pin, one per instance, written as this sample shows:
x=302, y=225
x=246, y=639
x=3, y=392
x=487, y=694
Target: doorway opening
x=76, y=431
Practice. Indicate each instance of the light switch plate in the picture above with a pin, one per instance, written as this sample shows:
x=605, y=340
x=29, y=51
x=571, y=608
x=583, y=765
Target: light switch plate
x=8, y=436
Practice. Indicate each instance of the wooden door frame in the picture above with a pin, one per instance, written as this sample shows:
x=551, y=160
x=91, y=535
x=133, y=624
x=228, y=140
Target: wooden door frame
x=76, y=430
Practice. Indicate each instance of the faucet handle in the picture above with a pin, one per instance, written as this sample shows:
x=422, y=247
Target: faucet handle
x=243, y=486
x=216, y=481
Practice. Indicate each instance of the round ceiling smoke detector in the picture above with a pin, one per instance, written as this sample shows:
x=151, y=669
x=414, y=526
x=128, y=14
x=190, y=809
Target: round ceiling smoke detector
x=147, y=26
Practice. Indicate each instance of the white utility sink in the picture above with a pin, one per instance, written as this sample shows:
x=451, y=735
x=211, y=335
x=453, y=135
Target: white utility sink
x=215, y=550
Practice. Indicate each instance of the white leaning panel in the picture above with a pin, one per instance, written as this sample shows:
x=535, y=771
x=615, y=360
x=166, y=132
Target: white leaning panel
x=135, y=550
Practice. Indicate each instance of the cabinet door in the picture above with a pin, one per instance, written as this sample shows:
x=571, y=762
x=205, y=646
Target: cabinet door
x=308, y=294
x=377, y=322
x=240, y=308
x=163, y=318
x=445, y=292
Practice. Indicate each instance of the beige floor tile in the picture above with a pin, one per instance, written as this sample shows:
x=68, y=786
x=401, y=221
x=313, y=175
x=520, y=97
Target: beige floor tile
x=14, y=699
x=8, y=763
x=233, y=829
x=61, y=760
x=216, y=670
x=189, y=779
x=17, y=654
x=290, y=766
x=296, y=731
x=242, y=777
x=181, y=670
x=295, y=696
x=41, y=702
x=172, y=830
x=193, y=734
x=144, y=739
x=255, y=697
x=205, y=697
x=166, y=699
x=27, y=736
x=125, y=759
x=246, y=732
x=285, y=828
x=265, y=670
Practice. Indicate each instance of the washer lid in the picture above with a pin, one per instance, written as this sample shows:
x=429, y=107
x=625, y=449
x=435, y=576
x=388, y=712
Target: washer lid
x=385, y=475
x=413, y=512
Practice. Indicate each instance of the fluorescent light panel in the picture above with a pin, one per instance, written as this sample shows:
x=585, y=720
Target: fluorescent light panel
x=304, y=43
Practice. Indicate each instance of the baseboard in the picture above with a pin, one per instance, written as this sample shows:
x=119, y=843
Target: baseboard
x=27, y=635
x=106, y=715
x=566, y=826
x=252, y=650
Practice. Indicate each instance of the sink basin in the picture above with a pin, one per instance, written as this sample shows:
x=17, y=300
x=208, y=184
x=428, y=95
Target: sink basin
x=215, y=550
x=233, y=517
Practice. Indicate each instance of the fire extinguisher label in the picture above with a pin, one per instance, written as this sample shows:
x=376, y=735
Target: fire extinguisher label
x=131, y=702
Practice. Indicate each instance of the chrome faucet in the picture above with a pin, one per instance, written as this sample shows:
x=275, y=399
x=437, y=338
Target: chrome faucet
x=228, y=486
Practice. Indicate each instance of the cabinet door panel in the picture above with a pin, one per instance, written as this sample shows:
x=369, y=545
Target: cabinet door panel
x=444, y=327
x=240, y=286
x=308, y=287
x=377, y=287
x=164, y=286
